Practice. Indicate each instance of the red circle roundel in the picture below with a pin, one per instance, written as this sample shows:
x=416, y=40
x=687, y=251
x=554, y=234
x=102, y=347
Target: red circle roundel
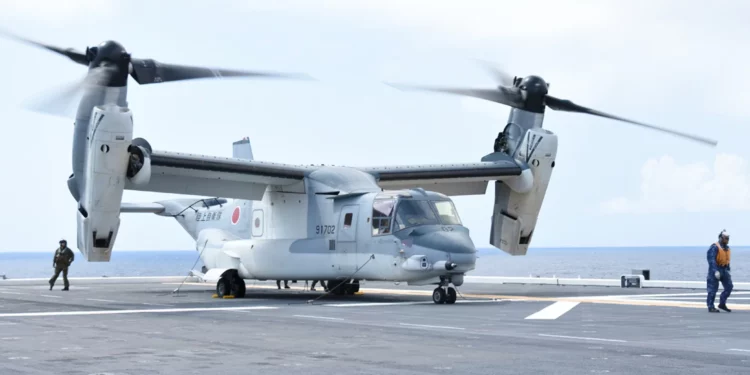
x=236, y=215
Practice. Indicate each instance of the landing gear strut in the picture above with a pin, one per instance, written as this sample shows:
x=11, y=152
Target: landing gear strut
x=444, y=294
x=230, y=284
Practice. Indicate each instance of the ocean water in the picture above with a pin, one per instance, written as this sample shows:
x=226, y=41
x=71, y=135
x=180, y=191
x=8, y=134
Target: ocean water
x=665, y=263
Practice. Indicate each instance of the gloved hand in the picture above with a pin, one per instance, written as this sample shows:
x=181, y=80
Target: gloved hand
x=717, y=274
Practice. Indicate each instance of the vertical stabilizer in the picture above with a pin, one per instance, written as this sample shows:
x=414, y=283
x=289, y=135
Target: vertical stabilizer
x=242, y=150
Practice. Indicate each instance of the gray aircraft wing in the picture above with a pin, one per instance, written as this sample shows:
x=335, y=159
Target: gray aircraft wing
x=190, y=174
x=450, y=179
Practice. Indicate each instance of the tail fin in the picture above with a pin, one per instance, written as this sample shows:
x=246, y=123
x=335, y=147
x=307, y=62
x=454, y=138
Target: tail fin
x=242, y=150
x=517, y=207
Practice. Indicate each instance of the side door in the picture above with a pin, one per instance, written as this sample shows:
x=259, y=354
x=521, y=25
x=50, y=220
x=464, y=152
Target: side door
x=346, y=238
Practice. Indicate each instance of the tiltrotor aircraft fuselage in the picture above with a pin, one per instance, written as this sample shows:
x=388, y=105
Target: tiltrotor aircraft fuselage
x=295, y=222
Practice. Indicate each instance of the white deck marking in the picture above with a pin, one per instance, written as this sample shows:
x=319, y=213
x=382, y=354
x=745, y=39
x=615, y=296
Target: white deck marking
x=155, y=304
x=10, y=293
x=739, y=350
x=580, y=338
x=114, y=312
x=317, y=317
x=366, y=304
x=49, y=296
x=428, y=326
x=554, y=310
x=629, y=296
x=100, y=300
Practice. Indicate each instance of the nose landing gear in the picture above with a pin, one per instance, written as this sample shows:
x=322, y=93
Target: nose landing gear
x=444, y=294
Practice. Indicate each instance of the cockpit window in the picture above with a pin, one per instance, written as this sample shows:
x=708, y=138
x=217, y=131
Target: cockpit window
x=382, y=213
x=414, y=212
x=447, y=212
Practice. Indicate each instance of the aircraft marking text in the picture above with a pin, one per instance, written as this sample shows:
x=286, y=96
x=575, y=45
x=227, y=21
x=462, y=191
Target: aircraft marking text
x=325, y=229
x=208, y=216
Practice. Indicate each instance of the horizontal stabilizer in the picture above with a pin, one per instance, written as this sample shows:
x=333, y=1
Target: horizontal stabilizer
x=153, y=208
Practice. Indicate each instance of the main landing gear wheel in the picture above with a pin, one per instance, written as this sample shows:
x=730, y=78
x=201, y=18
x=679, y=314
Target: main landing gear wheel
x=342, y=287
x=237, y=286
x=230, y=285
x=444, y=295
x=222, y=287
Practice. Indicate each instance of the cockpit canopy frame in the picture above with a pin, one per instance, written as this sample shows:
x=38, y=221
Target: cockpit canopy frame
x=396, y=211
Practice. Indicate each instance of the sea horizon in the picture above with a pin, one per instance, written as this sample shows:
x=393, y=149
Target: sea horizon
x=479, y=249
x=685, y=263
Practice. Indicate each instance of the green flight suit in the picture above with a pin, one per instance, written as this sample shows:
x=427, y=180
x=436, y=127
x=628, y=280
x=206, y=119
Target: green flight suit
x=62, y=260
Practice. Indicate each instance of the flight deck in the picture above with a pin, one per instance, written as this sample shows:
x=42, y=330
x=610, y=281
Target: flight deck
x=142, y=326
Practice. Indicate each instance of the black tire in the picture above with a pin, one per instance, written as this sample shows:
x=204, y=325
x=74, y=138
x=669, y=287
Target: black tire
x=451, y=296
x=355, y=286
x=438, y=295
x=337, y=286
x=222, y=287
x=237, y=287
x=351, y=288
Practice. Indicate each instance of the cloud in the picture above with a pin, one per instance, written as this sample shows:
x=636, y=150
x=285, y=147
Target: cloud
x=667, y=187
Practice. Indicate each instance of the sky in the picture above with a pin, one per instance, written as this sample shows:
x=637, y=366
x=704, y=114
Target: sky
x=678, y=64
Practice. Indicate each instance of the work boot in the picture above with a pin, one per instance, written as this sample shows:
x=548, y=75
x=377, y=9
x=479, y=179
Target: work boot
x=66, y=288
x=724, y=307
x=51, y=285
x=713, y=309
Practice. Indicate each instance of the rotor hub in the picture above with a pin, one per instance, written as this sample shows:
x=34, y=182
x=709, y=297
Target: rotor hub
x=533, y=90
x=113, y=57
x=534, y=85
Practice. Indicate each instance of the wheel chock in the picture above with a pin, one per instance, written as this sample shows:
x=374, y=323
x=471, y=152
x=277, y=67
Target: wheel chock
x=215, y=296
x=228, y=297
x=359, y=293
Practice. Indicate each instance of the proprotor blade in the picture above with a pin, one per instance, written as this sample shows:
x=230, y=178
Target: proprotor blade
x=501, y=77
x=71, y=53
x=500, y=95
x=568, y=106
x=147, y=71
x=63, y=101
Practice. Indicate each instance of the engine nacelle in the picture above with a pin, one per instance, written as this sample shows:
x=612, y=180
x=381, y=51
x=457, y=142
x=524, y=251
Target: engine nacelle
x=518, y=202
x=109, y=139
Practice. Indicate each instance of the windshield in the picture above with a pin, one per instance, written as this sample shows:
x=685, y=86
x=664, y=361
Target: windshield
x=382, y=213
x=447, y=212
x=411, y=212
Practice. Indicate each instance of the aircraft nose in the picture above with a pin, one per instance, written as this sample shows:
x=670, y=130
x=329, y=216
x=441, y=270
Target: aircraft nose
x=456, y=242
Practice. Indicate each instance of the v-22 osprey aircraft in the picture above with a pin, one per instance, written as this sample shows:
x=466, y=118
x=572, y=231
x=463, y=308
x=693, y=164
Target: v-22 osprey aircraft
x=271, y=221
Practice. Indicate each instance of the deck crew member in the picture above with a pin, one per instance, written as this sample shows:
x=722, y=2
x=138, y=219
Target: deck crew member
x=718, y=257
x=60, y=262
x=286, y=284
x=322, y=283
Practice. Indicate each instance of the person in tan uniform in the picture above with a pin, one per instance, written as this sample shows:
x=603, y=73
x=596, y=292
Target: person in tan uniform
x=62, y=260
